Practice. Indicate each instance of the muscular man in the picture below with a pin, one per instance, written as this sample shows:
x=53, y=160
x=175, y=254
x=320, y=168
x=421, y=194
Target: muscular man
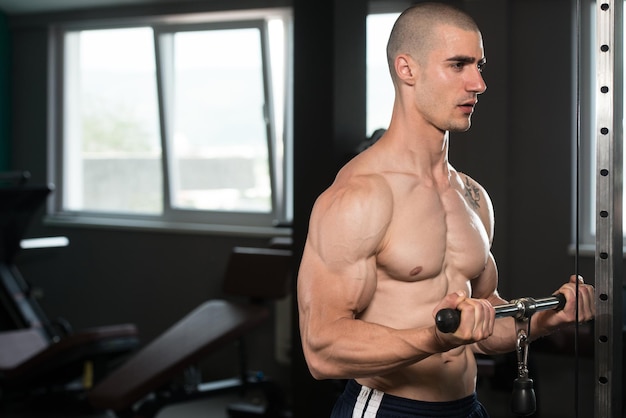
x=401, y=234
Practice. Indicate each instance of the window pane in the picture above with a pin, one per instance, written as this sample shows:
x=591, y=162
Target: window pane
x=192, y=129
x=112, y=148
x=218, y=132
x=379, y=86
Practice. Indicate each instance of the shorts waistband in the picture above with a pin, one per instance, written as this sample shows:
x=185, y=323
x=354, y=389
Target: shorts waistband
x=390, y=404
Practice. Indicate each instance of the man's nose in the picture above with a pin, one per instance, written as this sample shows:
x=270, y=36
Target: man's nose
x=477, y=83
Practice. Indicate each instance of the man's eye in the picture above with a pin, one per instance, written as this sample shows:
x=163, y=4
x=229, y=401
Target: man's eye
x=481, y=67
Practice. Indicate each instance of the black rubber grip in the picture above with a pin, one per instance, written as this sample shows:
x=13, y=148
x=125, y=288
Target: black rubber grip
x=562, y=300
x=448, y=320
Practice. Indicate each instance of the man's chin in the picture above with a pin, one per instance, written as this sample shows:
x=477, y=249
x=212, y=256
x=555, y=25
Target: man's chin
x=461, y=127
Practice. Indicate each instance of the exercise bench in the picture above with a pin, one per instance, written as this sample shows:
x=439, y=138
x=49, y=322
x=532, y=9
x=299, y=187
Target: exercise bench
x=39, y=355
x=139, y=387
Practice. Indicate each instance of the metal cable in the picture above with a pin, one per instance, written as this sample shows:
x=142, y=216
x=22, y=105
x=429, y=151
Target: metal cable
x=577, y=199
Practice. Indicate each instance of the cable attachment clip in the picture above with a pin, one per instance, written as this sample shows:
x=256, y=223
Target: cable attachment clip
x=521, y=348
x=523, y=401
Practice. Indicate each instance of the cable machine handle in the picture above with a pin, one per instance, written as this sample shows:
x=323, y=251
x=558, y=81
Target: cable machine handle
x=448, y=320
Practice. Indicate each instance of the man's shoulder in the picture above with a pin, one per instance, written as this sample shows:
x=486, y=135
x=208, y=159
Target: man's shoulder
x=467, y=181
x=479, y=199
x=356, y=193
x=360, y=182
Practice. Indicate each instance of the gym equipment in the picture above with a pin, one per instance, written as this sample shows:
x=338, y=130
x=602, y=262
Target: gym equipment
x=609, y=109
x=523, y=401
x=39, y=354
x=448, y=320
x=144, y=384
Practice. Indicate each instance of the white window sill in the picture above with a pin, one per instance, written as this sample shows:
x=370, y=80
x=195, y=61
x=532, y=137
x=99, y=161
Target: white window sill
x=166, y=226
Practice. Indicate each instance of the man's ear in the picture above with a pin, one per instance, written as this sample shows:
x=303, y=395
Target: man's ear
x=405, y=68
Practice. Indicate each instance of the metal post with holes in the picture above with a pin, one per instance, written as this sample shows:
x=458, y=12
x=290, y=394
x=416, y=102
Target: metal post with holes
x=608, y=280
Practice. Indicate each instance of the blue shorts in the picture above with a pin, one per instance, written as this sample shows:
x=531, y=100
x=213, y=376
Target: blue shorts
x=362, y=402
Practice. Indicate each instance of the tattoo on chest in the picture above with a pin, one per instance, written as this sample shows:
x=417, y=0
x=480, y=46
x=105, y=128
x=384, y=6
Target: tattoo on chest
x=472, y=194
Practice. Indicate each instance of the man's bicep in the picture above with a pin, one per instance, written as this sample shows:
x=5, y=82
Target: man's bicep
x=342, y=287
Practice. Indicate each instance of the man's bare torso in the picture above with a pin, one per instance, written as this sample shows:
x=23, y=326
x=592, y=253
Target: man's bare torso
x=436, y=243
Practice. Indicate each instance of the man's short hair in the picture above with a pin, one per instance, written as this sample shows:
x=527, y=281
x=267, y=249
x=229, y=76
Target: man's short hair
x=414, y=30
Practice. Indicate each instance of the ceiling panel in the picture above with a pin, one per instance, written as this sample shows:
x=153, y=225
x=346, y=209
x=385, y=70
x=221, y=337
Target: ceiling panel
x=37, y=6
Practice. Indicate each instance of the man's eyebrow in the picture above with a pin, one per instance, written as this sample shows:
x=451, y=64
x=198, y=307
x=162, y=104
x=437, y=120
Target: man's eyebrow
x=465, y=59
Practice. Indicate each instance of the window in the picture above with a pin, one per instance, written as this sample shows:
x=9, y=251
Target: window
x=174, y=122
x=380, y=94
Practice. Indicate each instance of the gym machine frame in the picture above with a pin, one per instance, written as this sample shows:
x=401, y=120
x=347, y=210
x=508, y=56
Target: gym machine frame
x=608, y=51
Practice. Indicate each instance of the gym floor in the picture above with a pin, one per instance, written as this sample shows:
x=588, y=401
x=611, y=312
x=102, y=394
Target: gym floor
x=215, y=407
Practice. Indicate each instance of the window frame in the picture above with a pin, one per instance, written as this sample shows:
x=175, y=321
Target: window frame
x=276, y=222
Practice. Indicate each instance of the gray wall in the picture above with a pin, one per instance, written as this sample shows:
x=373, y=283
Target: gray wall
x=519, y=148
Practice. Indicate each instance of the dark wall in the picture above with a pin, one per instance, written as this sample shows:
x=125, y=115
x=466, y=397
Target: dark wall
x=542, y=146
x=4, y=94
x=519, y=148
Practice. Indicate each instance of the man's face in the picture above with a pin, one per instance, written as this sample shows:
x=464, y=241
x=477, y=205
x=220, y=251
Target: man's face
x=450, y=79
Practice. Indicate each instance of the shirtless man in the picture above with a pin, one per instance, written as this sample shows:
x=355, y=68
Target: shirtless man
x=400, y=234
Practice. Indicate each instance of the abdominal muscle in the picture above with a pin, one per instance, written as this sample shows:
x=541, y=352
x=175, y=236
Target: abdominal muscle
x=408, y=303
x=441, y=377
